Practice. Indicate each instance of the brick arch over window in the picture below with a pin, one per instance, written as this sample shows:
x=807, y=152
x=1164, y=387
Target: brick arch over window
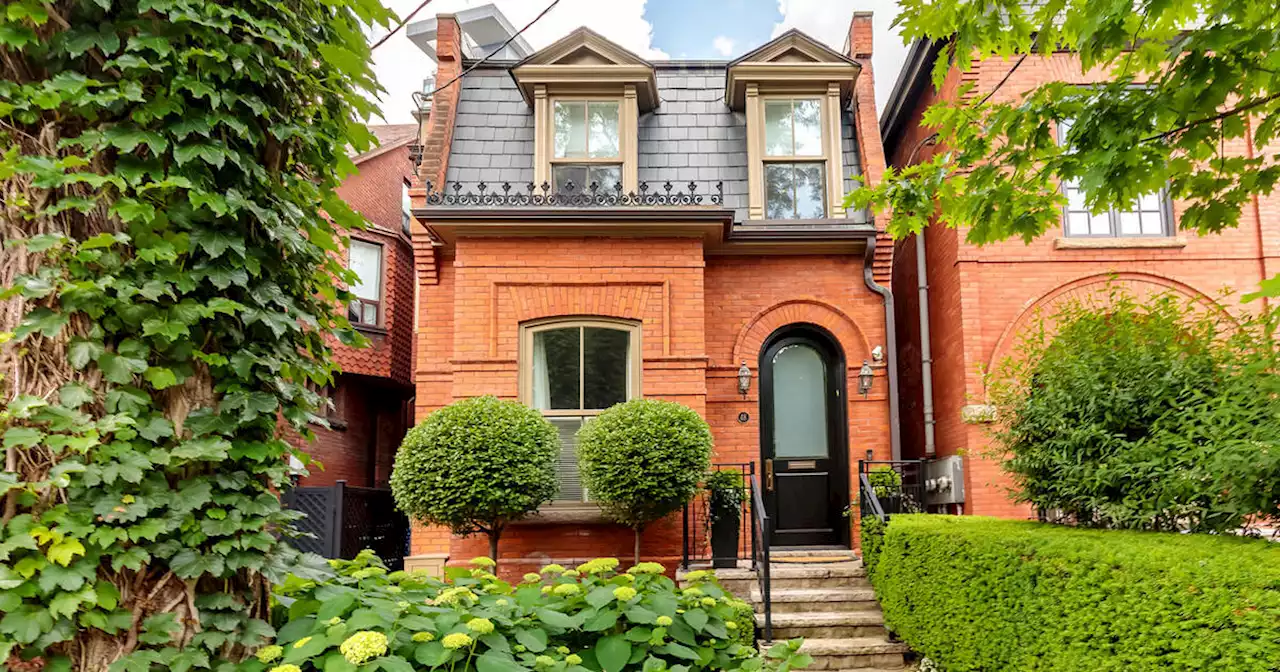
x=800, y=311
x=643, y=300
x=1139, y=284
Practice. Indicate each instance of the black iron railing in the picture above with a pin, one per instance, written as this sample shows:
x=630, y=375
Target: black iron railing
x=753, y=534
x=342, y=520
x=697, y=522
x=760, y=532
x=886, y=487
x=570, y=195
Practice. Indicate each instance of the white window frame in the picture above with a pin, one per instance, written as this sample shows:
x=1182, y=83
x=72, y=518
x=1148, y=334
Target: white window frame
x=380, y=302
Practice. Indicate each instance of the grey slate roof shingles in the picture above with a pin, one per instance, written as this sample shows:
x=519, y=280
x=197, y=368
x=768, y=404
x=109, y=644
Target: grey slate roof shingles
x=691, y=136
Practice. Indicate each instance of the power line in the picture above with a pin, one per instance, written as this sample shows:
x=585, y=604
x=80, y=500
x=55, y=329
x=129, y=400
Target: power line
x=402, y=24
x=420, y=98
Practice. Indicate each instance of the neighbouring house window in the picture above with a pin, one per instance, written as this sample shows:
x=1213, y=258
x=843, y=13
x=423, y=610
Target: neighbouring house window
x=366, y=261
x=586, y=144
x=570, y=371
x=406, y=208
x=794, y=163
x=1150, y=215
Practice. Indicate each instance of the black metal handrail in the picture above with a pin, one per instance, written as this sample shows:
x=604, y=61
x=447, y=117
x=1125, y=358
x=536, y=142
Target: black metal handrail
x=760, y=532
x=887, y=487
x=867, y=497
x=754, y=546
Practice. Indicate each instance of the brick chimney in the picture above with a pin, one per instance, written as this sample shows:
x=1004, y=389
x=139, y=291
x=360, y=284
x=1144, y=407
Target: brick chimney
x=870, y=148
x=438, y=134
x=437, y=139
x=861, y=36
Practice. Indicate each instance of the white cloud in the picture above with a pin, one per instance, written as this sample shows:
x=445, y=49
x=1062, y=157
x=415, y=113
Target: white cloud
x=723, y=45
x=401, y=66
x=828, y=21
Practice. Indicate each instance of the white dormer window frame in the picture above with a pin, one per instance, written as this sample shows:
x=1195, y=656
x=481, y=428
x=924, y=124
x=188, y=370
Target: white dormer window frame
x=793, y=68
x=585, y=67
x=606, y=168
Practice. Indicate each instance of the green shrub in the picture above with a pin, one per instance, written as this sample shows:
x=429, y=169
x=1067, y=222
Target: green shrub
x=872, y=536
x=987, y=594
x=588, y=619
x=475, y=466
x=643, y=459
x=1160, y=414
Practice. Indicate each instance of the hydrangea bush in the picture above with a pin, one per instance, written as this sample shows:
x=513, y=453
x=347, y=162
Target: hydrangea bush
x=591, y=618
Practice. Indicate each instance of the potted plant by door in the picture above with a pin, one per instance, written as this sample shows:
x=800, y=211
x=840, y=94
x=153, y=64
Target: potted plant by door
x=725, y=494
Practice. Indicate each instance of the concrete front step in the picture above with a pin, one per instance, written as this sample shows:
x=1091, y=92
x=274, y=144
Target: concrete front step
x=795, y=600
x=855, y=653
x=814, y=552
x=827, y=625
x=826, y=575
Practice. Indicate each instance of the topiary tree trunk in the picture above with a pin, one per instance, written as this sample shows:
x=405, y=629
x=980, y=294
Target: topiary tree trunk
x=169, y=300
x=643, y=459
x=475, y=466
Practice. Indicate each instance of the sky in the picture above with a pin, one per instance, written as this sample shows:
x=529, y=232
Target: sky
x=654, y=29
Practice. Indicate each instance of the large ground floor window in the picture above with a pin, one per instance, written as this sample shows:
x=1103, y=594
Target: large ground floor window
x=570, y=370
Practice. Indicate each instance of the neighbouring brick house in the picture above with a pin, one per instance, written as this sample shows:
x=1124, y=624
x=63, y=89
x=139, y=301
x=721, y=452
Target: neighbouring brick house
x=979, y=299
x=373, y=395
x=726, y=245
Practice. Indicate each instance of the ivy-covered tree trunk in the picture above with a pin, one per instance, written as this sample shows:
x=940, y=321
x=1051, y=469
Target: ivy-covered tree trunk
x=169, y=292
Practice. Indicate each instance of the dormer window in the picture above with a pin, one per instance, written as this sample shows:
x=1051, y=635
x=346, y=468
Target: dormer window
x=794, y=163
x=587, y=95
x=793, y=91
x=586, y=143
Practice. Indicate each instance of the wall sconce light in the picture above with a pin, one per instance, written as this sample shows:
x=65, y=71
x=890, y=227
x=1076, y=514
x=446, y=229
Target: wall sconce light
x=744, y=379
x=865, y=377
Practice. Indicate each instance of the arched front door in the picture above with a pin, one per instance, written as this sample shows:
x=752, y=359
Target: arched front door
x=803, y=437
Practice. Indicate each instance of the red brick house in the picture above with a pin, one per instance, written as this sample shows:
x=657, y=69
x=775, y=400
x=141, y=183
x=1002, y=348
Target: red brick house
x=372, y=396
x=978, y=299
x=714, y=238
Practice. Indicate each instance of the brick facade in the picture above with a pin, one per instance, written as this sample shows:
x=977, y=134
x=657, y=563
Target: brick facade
x=372, y=397
x=702, y=315
x=981, y=297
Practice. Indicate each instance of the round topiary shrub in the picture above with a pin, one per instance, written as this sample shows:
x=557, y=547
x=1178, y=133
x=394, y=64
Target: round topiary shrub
x=475, y=466
x=643, y=459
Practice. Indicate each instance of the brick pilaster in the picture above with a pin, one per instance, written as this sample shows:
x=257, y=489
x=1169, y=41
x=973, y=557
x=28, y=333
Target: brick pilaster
x=870, y=148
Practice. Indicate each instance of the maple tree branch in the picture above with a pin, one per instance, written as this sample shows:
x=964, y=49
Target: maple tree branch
x=1217, y=117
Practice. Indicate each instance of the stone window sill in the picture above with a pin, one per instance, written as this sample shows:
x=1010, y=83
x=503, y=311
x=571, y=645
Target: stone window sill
x=565, y=513
x=1119, y=243
x=369, y=329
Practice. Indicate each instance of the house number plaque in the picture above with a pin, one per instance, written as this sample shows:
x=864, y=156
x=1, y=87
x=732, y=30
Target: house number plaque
x=743, y=416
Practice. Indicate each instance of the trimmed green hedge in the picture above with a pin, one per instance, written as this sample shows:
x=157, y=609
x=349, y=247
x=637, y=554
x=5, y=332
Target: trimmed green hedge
x=986, y=594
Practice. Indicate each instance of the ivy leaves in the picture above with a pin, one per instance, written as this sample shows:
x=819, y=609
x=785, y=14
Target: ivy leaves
x=178, y=287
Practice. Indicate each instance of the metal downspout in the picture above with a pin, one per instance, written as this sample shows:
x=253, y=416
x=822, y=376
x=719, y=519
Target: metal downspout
x=891, y=358
x=926, y=350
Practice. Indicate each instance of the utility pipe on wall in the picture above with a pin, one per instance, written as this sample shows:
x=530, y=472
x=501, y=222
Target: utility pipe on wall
x=926, y=350
x=891, y=334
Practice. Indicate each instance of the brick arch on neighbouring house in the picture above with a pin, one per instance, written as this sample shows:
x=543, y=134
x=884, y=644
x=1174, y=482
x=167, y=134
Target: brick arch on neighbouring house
x=843, y=328
x=1096, y=285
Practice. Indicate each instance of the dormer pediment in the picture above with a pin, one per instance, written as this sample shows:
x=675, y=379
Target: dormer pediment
x=791, y=61
x=584, y=61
